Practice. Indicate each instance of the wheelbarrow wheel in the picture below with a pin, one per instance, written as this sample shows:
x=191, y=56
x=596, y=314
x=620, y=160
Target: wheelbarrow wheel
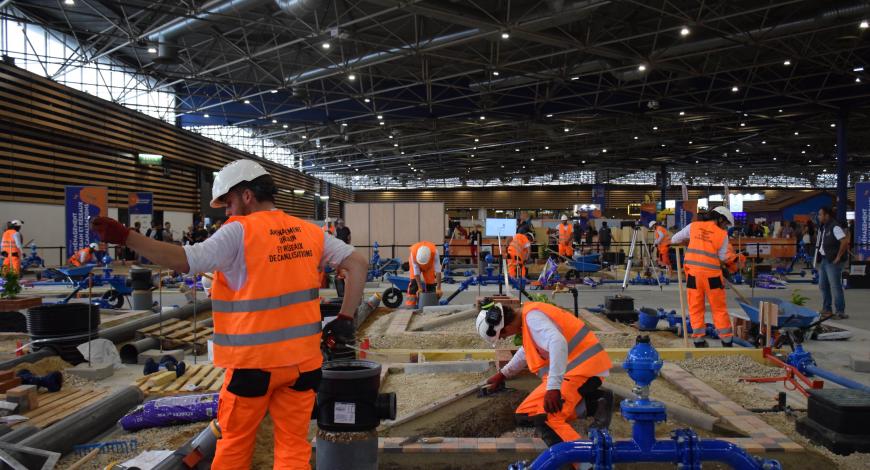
x=572, y=274
x=114, y=298
x=392, y=297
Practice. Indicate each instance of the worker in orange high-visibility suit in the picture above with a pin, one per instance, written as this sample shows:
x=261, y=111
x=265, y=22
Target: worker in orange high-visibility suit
x=663, y=242
x=564, y=353
x=566, y=238
x=83, y=256
x=12, y=246
x=708, y=249
x=424, y=271
x=519, y=250
x=266, y=310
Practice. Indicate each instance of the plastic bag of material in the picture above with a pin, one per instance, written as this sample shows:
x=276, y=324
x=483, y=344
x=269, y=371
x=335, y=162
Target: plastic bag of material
x=103, y=351
x=170, y=411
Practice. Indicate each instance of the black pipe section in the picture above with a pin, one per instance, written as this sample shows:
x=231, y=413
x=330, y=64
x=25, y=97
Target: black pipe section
x=130, y=351
x=126, y=331
x=19, y=434
x=87, y=423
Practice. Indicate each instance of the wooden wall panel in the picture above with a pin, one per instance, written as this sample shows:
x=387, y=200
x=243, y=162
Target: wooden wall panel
x=382, y=218
x=356, y=217
x=432, y=223
x=407, y=227
x=52, y=135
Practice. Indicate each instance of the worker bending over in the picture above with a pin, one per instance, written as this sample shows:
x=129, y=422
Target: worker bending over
x=561, y=350
x=84, y=255
x=12, y=246
x=266, y=310
x=566, y=238
x=519, y=250
x=663, y=242
x=708, y=249
x=424, y=271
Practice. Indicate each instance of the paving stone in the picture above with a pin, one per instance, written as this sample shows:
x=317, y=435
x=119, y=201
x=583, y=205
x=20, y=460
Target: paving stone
x=447, y=367
x=92, y=372
x=860, y=362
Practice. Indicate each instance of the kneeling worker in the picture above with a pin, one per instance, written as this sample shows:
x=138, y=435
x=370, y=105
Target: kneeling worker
x=564, y=353
x=708, y=249
x=424, y=271
x=266, y=310
x=84, y=256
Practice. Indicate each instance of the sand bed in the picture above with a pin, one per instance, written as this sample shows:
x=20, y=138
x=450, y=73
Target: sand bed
x=414, y=391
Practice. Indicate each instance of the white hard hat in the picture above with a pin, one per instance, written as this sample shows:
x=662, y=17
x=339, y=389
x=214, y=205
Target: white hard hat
x=652, y=223
x=494, y=325
x=93, y=246
x=232, y=174
x=726, y=213
x=16, y=222
x=564, y=217
x=424, y=254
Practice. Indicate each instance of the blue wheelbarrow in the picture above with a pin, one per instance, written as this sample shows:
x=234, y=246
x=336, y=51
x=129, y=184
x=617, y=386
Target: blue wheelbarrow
x=582, y=264
x=790, y=315
x=392, y=297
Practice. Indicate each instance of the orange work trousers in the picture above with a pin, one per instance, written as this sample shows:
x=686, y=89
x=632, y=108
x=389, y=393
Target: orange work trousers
x=239, y=418
x=699, y=287
x=664, y=256
x=566, y=250
x=13, y=262
x=515, y=266
x=559, y=422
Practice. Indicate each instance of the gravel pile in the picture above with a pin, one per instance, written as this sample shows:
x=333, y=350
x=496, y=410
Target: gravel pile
x=722, y=373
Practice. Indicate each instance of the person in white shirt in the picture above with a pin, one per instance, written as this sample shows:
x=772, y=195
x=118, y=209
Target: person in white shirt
x=564, y=353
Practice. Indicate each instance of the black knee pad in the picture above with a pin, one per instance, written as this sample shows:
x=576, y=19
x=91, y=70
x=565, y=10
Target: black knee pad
x=547, y=434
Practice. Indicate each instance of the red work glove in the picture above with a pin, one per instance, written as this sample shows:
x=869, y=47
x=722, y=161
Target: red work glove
x=553, y=401
x=496, y=382
x=110, y=230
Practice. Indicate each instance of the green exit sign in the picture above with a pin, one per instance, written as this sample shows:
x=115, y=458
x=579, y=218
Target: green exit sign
x=150, y=159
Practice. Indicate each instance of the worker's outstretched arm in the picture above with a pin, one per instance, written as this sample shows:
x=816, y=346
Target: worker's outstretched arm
x=356, y=268
x=160, y=253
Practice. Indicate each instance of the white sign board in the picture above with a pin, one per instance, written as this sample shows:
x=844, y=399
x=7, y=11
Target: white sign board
x=501, y=227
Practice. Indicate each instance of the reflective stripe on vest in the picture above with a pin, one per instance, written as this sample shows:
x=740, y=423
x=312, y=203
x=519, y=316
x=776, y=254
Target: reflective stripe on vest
x=268, y=303
x=8, y=242
x=577, y=362
x=266, y=337
x=702, y=264
x=565, y=232
x=705, y=240
x=702, y=252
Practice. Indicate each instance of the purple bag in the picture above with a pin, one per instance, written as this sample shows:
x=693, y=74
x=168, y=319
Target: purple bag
x=171, y=410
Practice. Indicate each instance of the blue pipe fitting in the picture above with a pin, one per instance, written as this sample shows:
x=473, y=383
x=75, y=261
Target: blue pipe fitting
x=803, y=361
x=684, y=448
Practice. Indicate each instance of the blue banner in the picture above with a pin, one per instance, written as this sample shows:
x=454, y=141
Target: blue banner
x=862, y=220
x=140, y=203
x=599, y=197
x=83, y=203
x=685, y=212
x=647, y=213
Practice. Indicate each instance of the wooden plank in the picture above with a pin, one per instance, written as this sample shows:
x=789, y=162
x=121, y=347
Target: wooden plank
x=73, y=397
x=212, y=378
x=190, y=375
x=68, y=409
x=218, y=382
x=148, y=329
x=160, y=380
x=167, y=329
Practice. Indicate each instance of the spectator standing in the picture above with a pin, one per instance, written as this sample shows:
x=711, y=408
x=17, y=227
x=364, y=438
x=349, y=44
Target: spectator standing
x=155, y=232
x=605, y=237
x=832, y=251
x=200, y=234
x=168, y=237
x=475, y=239
x=342, y=232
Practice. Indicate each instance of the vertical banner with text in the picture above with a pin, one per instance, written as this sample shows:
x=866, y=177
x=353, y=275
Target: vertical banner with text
x=862, y=220
x=83, y=203
x=647, y=213
x=685, y=212
x=141, y=208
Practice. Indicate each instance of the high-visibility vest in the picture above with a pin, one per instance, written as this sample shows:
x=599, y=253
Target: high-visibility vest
x=273, y=319
x=702, y=255
x=8, y=244
x=75, y=259
x=586, y=356
x=519, y=247
x=426, y=270
x=566, y=231
x=666, y=237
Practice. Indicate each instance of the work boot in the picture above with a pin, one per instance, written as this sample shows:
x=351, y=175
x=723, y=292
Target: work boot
x=702, y=344
x=603, y=411
x=841, y=316
x=727, y=344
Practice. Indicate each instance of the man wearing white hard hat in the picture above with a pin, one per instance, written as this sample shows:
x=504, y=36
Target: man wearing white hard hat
x=560, y=349
x=12, y=247
x=266, y=310
x=83, y=256
x=424, y=271
x=566, y=237
x=663, y=242
x=708, y=249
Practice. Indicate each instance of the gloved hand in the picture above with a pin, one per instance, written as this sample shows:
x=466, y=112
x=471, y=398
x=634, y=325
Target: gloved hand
x=110, y=230
x=496, y=382
x=553, y=401
x=340, y=330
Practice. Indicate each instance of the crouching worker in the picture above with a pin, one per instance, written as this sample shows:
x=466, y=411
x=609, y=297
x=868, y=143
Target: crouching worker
x=564, y=353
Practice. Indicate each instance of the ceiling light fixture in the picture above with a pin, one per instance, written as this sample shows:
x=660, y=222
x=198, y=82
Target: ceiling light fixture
x=505, y=35
x=857, y=79
x=69, y=2
x=641, y=68
x=546, y=147
x=567, y=130
x=205, y=116
x=274, y=91
x=495, y=73
x=859, y=68
x=603, y=150
x=344, y=124
x=247, y=101
x=786, y=62
x=575, y=78
x=833, y=125
x=690, y=142
x=742, y=124
x=152, y=50
x=367, y=100
x=381, y=123
x=549, y=115
x=380, y=116
x=735, y=89
x=326, y=45
x=482, y=117
x=864, y=24
x=685, y=31
x=351, y=77
x=274, y=121
x=682, y=113
x=284, y=126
